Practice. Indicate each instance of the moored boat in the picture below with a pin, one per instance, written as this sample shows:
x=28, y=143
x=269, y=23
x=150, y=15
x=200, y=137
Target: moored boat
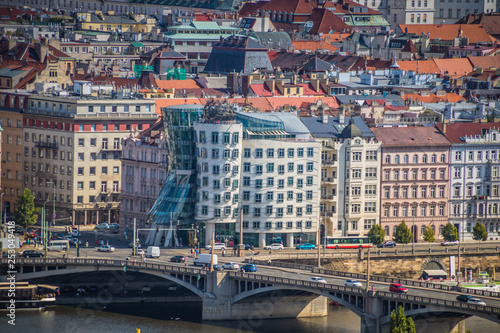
x=26, y=295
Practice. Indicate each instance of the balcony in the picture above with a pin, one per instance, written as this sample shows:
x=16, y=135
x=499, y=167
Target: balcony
x=45, y=144
x=328, y=162
x=328, y=180
x=327, y=197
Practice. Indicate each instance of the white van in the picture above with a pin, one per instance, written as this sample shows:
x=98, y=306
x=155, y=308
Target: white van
x=60, y=245
x=204, y=260
x=153, y=252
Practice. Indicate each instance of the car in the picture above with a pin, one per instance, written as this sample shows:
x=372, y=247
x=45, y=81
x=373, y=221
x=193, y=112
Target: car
x=317, y=279
x=248, y=247
x=218, y=268
x=464, y=298
x=32, y=254
x=217, y=246
x=101, y=226
x=387, y=244
x=476, y=301
x=106, y=248
x=73, y=241
x=249, y=268
x=18, y=229
x=353, y=283
x=398, y=288
x=231, y=265
x=74, y=233
x=306, y=246
x=449, y=243
x=275, y=246
x=178, y=259
x=114, y=226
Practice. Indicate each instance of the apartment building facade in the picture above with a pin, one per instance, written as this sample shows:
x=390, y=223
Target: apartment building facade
x=12, y=104
x=350, y=158
x=414, y=179
x=474, y=177
x=144, y=171
x=72, y=151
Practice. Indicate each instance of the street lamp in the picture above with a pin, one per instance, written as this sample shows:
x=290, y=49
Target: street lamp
x=1, y=207
x=413, y=230
x=44, y=227
x=53, y=203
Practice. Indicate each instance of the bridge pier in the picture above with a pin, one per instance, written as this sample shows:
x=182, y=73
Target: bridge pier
x=220, y=304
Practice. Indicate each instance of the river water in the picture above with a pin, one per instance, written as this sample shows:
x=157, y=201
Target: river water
x=184, y=318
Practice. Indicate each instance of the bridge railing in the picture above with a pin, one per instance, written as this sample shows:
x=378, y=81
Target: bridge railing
x=294, y=282
x=479, y=292
x=106, y=262
x=358, y=276
x=438, y=302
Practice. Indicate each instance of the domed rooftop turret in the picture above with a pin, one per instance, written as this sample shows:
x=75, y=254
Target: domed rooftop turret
x=351, y=131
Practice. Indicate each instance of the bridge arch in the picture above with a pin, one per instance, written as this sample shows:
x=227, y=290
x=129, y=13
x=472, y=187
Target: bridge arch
x=246, y=294
x=432, y=264
x=87, y=269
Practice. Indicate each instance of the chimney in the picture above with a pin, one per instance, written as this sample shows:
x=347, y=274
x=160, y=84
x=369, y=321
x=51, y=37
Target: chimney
x=444, y=128
x=341, y=117
x=325, y=118
x=270, y=84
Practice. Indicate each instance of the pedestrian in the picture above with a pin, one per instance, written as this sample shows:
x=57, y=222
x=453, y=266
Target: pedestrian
x=223, y=252
x=196, y=252
x=107, y=242
x=253, y=252
x=185, y=262
x=86, y=244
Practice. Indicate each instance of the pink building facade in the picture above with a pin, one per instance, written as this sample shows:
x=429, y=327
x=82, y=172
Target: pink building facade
x=414, y=179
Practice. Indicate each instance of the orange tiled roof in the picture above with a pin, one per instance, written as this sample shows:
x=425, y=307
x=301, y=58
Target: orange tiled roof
x=422, y=66
x=455, y=67
x=314, y=45
x=485, y=62
x=475, y=33
x=178, y=84
x=433, y=98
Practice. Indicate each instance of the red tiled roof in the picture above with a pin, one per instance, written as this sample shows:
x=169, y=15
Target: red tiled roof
x=409, y=47
x=339, y=8
x=410, y=136
x=422, y=66
x=324, y=21
x=457, y=130
x=448, y=32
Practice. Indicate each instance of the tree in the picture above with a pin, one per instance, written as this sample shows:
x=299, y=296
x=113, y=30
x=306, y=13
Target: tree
x=26, y=213
x=450, y=233
x=399, y=323
x=479, y=232
x=376, y=234
x=429, y=235
x=403, y=234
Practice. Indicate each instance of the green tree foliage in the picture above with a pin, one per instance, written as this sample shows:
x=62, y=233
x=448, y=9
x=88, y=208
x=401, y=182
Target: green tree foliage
x=26, y=213
x=450, y=233
x=403, y=234
x=429, y=235
x=479, y=232
x=399, y=323
x=376, y=234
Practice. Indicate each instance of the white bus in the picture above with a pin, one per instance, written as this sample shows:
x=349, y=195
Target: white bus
x=58, y=245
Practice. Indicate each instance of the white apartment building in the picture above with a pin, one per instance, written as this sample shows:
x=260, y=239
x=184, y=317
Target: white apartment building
x=474, y=177
x=350, y=169
x=265, y=166
x=72, y=148
x=410, y=12
x=450, y=11
x=144, y=166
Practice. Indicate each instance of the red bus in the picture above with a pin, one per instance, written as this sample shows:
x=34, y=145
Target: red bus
x=347, y=242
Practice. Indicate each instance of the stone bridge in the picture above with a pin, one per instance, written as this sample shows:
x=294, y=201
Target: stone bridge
x=251, y=297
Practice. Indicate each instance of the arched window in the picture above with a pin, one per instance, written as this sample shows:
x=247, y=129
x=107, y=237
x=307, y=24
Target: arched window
x=443, y=158
x=405, y=159
x=388, y=159
x=396, y=159
x=415, y=159
x=386, y=229
x=441, y=227
x=424, y=159
x=422, y=230
x=433, y=158
x=394, y=230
